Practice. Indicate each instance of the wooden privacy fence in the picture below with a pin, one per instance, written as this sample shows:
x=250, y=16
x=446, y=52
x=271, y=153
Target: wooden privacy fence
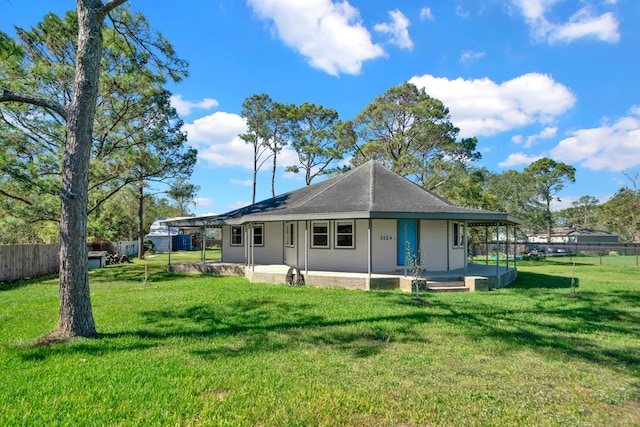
x=22, y=261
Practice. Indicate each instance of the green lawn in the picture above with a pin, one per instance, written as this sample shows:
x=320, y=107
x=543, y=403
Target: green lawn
x=194, y=350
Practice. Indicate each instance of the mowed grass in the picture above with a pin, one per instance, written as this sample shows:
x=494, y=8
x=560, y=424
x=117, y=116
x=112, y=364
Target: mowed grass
x=197, y=350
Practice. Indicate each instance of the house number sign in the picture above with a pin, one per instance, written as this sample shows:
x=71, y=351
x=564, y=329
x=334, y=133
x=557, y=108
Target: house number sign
x=386, y=237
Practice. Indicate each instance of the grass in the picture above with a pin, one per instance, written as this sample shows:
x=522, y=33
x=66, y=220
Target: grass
x=195, y=350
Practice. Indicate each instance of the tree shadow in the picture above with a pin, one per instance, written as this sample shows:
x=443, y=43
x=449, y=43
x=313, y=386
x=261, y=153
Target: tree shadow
x=529, y=280
x=9, y=286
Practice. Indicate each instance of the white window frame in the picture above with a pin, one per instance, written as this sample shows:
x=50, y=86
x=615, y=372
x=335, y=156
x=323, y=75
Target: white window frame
x=232, y=235
x=326, y=224
x=253, y=234
x=290, y=234
x=337, y=234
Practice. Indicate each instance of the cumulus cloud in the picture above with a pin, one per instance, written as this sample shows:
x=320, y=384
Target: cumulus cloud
x=330, y=35
x=397, y=28
x=615, y=147
x=426, y=14
x=584, y=23
x=470, y=56
x=484, y=107
x=516, y=159
x=216, y=138
x=184, y=107
x=546, y=133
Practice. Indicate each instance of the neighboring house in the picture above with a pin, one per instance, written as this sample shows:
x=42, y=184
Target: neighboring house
x=362, y=221
x=576, y=235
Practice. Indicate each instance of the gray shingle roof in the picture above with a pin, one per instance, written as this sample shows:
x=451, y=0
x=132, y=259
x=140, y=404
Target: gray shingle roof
x=368, y=191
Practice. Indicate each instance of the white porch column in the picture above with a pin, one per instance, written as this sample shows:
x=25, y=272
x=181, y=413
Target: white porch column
x=306, y=248
x=466, y=250
x=369, y=254
x=506, y=245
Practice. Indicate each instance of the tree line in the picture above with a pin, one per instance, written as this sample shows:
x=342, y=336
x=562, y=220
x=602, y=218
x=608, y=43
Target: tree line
x=86, y=127
x=412, y=134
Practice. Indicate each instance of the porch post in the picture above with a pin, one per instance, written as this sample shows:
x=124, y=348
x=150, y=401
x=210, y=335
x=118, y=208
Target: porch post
x=486, y=244
x=251, y=234
x=404, y=247
x=466, y=251
x=515, y=249
x=369, y=247
x=306, y=248
x=246, y=244
x=506, y=245
x=169, y=243
x=497, y=249
x=203, y=254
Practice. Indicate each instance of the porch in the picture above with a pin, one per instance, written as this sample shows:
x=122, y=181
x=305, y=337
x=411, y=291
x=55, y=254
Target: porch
x=475, y=277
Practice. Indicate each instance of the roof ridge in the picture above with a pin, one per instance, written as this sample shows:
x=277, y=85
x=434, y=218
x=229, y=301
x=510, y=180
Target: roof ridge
x=336, y=180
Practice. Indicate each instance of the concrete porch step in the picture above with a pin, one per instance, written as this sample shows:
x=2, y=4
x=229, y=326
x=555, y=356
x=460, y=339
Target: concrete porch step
x=448, y=288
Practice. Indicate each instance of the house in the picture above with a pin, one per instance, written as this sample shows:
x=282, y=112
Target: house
x=575, y=235
x=366, y=221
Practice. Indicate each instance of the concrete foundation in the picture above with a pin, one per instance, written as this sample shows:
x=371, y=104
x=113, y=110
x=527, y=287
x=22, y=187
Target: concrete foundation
x=470, y=279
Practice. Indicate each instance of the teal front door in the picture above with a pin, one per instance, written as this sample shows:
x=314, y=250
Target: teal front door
x=407, y=232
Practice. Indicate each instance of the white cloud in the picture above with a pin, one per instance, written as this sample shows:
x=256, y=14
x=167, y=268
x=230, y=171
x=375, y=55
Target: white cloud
x=426, y=14
x=484, y=107
x=615, y=147
x=184, y=107
x=546, y=133
x=634, y=110
x=245, y=182
x=461, y=11
x=516, y=159
x=216, y=138
x=398, y=29
x=329, y=34
x=470, y=55
x=203, y=201
x=584, y=23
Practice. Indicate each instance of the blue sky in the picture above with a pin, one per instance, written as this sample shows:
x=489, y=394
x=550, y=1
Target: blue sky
x=528, y=78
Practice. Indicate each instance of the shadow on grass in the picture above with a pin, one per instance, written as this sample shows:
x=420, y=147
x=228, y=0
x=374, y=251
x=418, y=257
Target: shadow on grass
x=528, y=315
x=529, y=280
x=9, y=286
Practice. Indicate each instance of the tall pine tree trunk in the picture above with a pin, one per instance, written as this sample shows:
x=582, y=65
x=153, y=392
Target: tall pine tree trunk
x=76, y=317
x=141, y=220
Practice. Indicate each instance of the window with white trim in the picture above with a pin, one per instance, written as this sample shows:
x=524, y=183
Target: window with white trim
x=258, y=234
x=320, y=234
x=289, y=234
x=236, y=235
x=344, y=234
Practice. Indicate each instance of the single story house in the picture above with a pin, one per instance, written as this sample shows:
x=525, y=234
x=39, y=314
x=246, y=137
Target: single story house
x=367, y=221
